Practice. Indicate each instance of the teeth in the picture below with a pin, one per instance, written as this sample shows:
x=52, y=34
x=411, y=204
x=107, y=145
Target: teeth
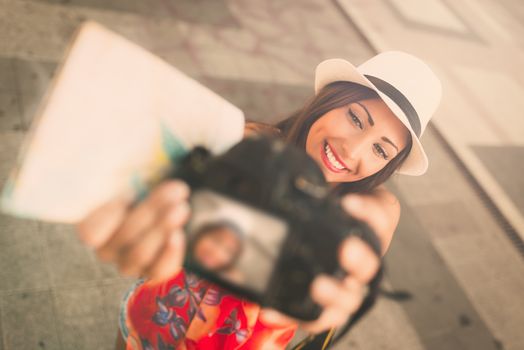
x=329, y=153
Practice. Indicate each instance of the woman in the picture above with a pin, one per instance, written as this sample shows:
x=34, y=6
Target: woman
x=362, y=125
x=217, y=246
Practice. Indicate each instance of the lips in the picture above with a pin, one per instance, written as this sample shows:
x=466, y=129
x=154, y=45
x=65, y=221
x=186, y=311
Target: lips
x=331, y=159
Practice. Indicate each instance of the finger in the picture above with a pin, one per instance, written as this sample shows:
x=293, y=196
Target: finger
x=135, y=258
x=358, y=259
x=96, y=229
x=329, y=318
x=344, y=295
x=367, y=209
x=143, y=216
x=170, y=260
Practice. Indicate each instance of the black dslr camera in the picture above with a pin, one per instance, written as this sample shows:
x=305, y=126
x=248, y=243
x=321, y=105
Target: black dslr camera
x=264, y=223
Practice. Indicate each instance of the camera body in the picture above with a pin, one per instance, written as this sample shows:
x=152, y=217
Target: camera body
x=270, y=202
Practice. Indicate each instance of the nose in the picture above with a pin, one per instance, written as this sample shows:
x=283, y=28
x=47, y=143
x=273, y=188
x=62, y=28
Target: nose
x=352, y=153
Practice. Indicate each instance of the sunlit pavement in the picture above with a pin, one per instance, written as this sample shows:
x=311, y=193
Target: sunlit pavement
x=450, y=252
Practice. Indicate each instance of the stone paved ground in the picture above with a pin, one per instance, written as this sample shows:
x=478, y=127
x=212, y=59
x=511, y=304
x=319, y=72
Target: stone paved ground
x=449, y=253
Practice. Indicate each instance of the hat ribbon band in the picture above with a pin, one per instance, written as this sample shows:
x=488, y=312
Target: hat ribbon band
x=401, y=101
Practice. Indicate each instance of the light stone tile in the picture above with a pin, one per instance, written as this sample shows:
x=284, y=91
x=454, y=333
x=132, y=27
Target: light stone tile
x=81, y=319
x=105, y=271
x=15, y=231
x=29, y=321
x=62, y=245
x=113, y=293
x=500, y=95
x=459, y=118
x=430, y=12
x=26, y=265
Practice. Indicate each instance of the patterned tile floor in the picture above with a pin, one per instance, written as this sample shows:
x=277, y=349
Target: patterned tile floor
x=449, y=253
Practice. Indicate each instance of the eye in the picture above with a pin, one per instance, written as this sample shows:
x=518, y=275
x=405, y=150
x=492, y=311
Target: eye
x=380, y=151
x=355, y=119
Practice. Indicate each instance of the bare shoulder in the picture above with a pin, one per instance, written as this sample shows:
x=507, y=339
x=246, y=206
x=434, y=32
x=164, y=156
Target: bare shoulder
x=390, y=212
x=387, y=197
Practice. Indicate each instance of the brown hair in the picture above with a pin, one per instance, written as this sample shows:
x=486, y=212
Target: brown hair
x=294, y=129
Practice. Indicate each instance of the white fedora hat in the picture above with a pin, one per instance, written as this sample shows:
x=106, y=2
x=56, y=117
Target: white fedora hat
x=406, y=84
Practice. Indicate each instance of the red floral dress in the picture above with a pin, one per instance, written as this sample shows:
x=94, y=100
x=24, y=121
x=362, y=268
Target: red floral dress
x=187, y=312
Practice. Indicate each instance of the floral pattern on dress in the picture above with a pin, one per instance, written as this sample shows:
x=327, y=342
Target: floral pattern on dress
x=189, y=313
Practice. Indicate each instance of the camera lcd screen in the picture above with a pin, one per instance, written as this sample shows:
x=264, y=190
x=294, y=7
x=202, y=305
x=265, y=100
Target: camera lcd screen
x=233, y=240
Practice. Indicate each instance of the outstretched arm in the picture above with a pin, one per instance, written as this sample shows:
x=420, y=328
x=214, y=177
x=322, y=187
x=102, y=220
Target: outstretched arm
x=382, y=207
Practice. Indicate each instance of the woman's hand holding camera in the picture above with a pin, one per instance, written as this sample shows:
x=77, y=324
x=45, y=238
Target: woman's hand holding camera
x=340, y=299
x=148, y=240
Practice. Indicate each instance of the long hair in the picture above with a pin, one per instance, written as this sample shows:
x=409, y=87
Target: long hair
x=295, y=129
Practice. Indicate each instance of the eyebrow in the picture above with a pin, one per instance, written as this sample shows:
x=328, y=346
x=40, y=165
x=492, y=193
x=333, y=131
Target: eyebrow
x=389, y=141
x=370, y=120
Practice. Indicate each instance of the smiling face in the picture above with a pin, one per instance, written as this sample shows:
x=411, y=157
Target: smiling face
x=355, y=141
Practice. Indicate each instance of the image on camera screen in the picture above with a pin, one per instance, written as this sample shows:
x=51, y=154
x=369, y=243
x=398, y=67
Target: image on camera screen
x=233, y=240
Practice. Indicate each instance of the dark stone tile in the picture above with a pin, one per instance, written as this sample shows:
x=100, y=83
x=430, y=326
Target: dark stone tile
x=506, y=165
x=29, y=102
x=33, y=80
x=10, y=141
x=7, y=74
x=263, y=102
x=23, y=266
x=81, y=318
x=449, y=219
x=468, y=33
x=182, y=60
x=1, y=329
x=10, y=115
x=107, y=270
x=467, y=339
x=210, y=12
x=70, y=262
x=34, y=75
x=29, y=321
x=113, y=292
x=439, y=305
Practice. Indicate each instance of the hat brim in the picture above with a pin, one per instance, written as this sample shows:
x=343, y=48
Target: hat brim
x=337, y=69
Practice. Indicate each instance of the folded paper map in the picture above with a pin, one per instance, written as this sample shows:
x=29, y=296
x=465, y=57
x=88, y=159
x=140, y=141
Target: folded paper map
x=114, y=118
